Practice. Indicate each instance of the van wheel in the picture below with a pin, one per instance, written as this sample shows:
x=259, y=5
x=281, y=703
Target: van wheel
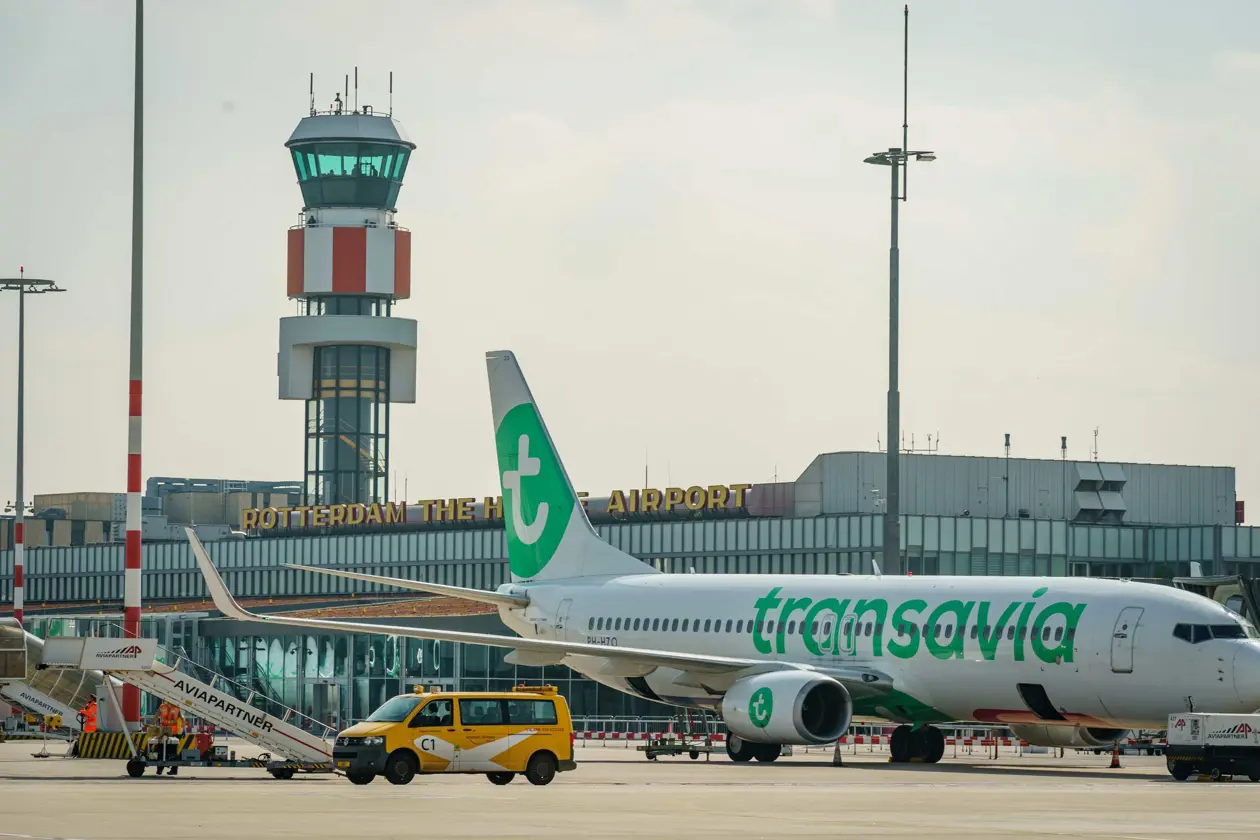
x=361, y=778
x=541, y=769
x=400, y=767
x=500, y=778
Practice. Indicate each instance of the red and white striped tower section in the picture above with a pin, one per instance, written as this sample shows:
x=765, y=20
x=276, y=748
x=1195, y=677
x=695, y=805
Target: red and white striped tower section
x=348, y=263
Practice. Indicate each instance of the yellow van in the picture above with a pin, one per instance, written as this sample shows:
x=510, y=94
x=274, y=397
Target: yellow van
x=527, y=730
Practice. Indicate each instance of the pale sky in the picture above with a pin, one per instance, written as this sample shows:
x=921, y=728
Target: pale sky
x=661, y=207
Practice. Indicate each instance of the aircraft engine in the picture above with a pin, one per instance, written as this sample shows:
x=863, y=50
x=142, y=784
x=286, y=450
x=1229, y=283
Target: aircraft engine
x=1068, y=736
x=788, y=707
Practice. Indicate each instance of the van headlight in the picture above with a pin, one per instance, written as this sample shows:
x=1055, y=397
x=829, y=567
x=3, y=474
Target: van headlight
x=374, y=741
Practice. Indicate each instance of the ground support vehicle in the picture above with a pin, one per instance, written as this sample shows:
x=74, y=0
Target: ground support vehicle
x=527, y=730
x=1215, y=746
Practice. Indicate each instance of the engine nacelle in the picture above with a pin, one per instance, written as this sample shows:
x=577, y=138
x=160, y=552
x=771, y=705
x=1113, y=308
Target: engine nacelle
x=1068, y=736
x=788, y=707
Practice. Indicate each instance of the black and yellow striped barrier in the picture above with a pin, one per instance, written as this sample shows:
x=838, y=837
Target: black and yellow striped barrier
x=114, y=745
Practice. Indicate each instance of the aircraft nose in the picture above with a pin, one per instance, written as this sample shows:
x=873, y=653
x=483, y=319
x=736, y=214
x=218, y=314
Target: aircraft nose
x=1247, y=675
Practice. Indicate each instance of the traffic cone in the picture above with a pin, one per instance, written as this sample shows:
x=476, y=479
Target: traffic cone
x=1115, y=757
x=836, y=761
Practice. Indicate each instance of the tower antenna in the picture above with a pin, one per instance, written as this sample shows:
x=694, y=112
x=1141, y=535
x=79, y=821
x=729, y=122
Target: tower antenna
x=391, y=93
x=347, y=88
x=905, y=102
x=312, y=94
x=356, y=88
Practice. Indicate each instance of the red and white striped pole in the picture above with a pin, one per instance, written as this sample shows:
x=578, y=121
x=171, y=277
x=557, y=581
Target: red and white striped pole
x=131, y=565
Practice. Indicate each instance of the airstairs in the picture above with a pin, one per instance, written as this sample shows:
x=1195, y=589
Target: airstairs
x=69, y=664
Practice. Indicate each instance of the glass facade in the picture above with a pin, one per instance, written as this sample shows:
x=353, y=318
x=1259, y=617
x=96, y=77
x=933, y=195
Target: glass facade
x=476, y=557
x=346, y=174
x=347, y=425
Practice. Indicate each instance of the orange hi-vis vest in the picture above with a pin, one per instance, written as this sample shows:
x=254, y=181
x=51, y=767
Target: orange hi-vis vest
x=170, y=718
x=89, y=717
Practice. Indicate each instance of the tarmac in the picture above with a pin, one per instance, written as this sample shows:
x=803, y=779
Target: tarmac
x=616, y=793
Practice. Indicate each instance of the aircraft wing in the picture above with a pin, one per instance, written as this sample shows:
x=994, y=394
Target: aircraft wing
x=619, y=660
x=495, y=598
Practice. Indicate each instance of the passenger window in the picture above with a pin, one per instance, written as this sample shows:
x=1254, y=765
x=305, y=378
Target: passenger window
x=1010, y=633
x=927, y=630
x=706, y=625
x=590, y=625
x=949, y=631
x=1023, y=633
x=988, y=631
x=729, y=624
x=675, y=626
x=434, y=713
x=636, y=624
x=791, y=627
x=827, y=629
x=879, y=629
x=739, y=626
x=1182, y=631
x=870, y=628
x=1058, y=634
x=937, y=630
x=901, y=630
x=975, y=630
x=1045, y=634
x=656, y=624
x=813, y=628
x=481, y=712
x=770, y=627
x=599, y=625
x=695, y=626
x=1071, y=634
x=684, y=627
x=618, y=627
x=532, y=712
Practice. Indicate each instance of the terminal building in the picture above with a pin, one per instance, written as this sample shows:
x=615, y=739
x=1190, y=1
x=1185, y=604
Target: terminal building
x=961, y=516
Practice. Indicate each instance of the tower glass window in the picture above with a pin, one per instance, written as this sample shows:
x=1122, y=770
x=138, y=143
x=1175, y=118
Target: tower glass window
x=349, y=174
x=347, y=426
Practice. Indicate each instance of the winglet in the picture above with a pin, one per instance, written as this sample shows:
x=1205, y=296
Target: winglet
x=223, y=599
x=875, y=566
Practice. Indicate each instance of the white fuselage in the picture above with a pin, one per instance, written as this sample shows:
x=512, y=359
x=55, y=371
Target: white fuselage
x=1100, y=652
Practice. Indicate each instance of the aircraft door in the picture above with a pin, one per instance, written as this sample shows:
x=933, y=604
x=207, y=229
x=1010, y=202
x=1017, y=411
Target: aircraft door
x=848, y=635
x=1123, y=638
x=562, y=618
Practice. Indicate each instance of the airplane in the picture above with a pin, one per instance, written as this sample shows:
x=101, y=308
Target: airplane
x=794, y=659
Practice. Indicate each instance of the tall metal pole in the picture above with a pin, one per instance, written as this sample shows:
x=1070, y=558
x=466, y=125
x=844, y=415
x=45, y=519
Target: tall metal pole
x=19, y=549
x=131, y=574
x=892, y=498
x=23, y=286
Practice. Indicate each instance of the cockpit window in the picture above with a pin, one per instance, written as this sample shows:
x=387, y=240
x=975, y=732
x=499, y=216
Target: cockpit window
x=1195, y=633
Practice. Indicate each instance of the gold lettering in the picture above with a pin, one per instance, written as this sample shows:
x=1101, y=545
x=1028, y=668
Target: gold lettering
x=301, y=515
x=740, y=490
x=319, y=516
x=337, y=515
x=374, y=514
x=617, y=502
x=465, y=511
x=673, y=497
x=445, y=510
x=249, y=518
x=651, y=500
x=355, y=514
x=426, y=510
x=633, y=507
x=395, y=512
x=718, y=496
x=493, y=507
x=582, y=498
x=268, y=518
x=283, y=515
x=695, y=498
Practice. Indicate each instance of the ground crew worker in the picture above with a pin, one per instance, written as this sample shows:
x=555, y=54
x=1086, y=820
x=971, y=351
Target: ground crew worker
x=89, y=716
x=172, y=723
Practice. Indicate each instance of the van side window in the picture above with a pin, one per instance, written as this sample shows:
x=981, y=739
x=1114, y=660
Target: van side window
x=434, y=713
x=480, y=712
x=533, y=712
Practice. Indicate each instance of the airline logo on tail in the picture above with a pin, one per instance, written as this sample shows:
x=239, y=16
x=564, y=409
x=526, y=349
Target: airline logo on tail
x=534, y=491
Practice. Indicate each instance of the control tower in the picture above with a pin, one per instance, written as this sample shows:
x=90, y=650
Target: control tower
x=349, y=263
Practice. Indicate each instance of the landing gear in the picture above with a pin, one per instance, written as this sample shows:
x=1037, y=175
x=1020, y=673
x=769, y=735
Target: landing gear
x=740, y=750
x=925, y=745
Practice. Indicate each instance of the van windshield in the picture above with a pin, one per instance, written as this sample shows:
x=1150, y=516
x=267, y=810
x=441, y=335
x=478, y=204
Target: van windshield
x=395, y=711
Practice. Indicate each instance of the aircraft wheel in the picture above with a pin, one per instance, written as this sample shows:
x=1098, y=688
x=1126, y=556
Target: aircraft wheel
x=739, y=750
x=900, y=745
x=769, y=752
x=934, y=741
